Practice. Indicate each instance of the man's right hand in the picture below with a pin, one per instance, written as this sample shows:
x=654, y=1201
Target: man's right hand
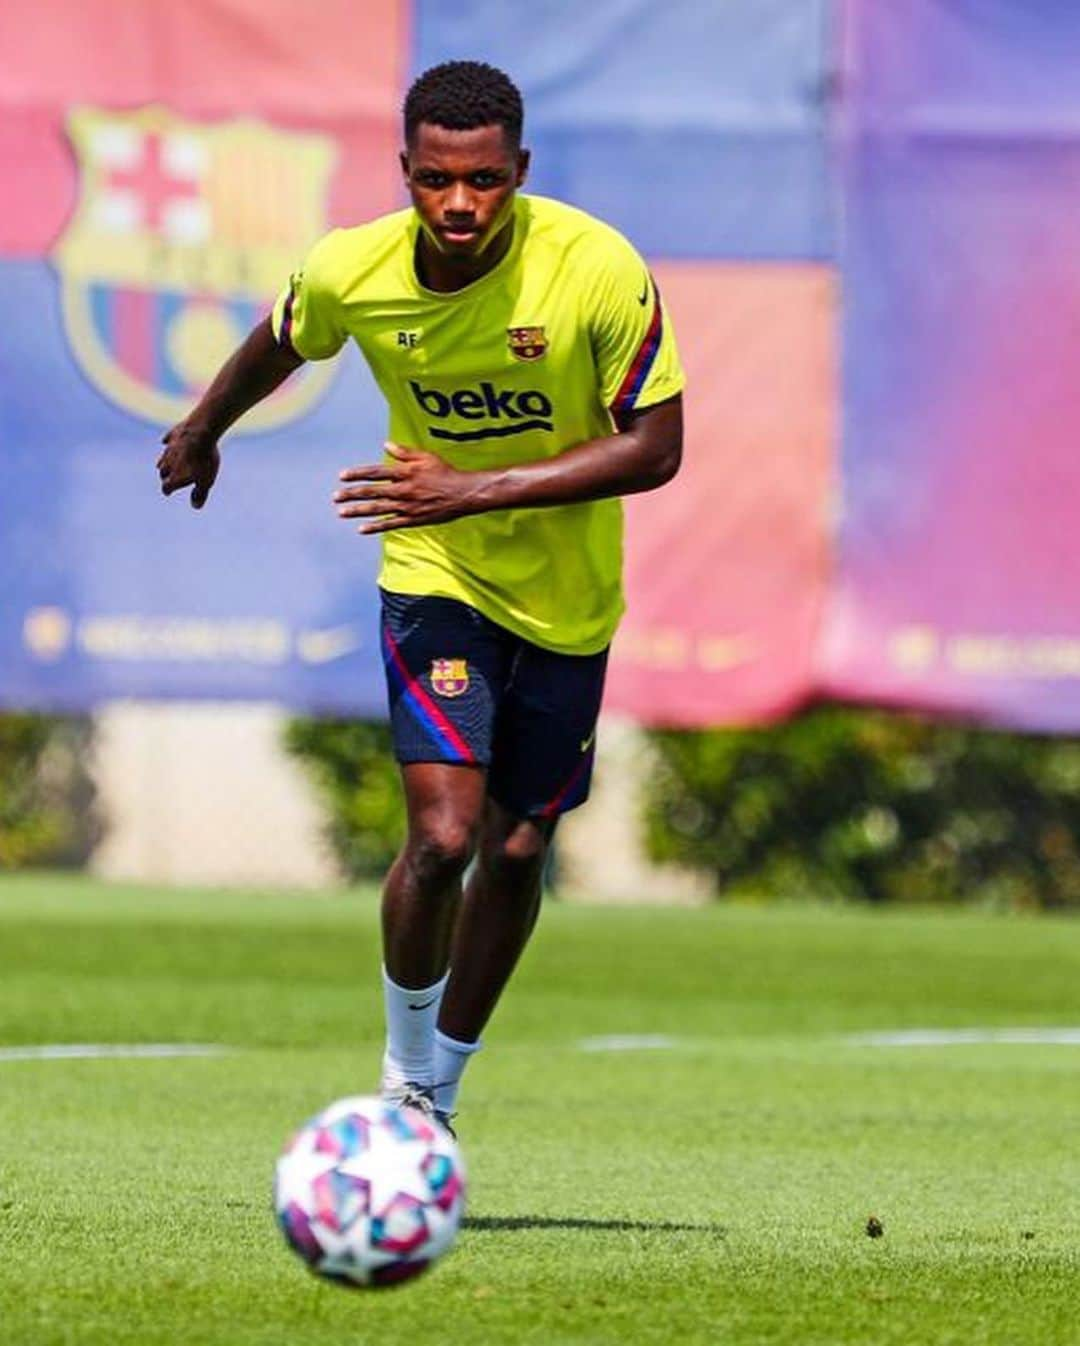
x=251, y=372
x=190, y=458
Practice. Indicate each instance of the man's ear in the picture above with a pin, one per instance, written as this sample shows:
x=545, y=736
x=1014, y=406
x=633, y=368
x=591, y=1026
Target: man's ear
x=404, y=159
x=522, y=167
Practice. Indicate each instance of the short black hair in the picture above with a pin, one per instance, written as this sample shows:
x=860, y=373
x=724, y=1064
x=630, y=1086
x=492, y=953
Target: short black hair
x=462, y=95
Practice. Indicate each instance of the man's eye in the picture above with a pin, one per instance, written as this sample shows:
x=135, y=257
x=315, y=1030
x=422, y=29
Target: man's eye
x=484, y=180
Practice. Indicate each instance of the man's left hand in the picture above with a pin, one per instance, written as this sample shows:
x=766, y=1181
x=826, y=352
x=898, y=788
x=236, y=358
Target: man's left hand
x=412, y=490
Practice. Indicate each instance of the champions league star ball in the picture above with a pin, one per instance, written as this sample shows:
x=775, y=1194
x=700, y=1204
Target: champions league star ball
x=368, y=1193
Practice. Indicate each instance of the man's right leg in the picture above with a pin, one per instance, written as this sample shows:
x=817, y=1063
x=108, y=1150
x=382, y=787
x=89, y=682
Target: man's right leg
x=445, y=666
x=444, y=805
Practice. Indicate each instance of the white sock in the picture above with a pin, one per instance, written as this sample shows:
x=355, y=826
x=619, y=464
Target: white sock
x=451, y=1058
x=410, y=1028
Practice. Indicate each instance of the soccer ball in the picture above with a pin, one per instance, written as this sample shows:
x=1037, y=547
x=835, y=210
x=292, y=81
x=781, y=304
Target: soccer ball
x=369, y=1193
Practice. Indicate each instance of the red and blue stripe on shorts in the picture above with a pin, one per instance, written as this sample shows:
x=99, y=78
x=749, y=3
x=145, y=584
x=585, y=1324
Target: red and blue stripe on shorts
x=424, y=710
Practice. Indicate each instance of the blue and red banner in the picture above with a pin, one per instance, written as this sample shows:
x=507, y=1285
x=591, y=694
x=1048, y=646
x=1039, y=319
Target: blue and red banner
x=883, y=190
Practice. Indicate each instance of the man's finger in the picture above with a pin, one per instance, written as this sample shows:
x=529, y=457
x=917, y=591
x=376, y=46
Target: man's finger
x=390, y=523
x=370, y=472
x=202, y=489
x=170, y=484
x=367, y=492
x=399, y=451
x=369, y=508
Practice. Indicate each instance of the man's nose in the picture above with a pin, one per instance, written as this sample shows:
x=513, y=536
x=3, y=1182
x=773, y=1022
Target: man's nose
x=459, y=200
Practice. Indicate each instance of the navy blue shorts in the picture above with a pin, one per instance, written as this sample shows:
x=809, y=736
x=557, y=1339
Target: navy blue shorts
x=463, y=689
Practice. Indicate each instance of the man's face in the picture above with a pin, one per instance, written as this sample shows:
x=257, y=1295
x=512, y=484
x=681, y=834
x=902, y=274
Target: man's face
x=462, y=184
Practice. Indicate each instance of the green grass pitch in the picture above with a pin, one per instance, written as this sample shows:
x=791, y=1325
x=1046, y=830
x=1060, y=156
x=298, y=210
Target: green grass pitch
x=716, y=1190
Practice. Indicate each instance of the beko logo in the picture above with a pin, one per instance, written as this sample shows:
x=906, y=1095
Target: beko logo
x=507, y=411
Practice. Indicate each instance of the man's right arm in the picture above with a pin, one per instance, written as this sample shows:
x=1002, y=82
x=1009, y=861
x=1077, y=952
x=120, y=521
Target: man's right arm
x=252, y=372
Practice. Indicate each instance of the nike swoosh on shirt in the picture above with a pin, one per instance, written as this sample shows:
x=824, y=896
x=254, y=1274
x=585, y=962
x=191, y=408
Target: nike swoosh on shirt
x=425, y=1005
x=586, y=743
x=643, y=296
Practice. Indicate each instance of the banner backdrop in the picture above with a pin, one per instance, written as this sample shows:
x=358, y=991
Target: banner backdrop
x=700, y=130
x=959, y=554
x=168, y=185
x=167, y=166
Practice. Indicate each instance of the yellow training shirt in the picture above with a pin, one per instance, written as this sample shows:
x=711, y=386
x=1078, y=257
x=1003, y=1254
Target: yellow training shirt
x=527, y=361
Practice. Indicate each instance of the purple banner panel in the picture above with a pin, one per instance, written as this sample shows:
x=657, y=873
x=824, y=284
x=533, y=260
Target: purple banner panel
x=958, y=582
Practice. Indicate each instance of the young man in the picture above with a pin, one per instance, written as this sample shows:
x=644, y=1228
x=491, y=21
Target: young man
x=532, y=379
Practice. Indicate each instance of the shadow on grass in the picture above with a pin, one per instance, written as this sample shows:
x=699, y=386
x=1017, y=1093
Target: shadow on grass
x=502, y=1223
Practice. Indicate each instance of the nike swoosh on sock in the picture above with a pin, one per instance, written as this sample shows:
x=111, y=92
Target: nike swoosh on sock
x=425, y=1004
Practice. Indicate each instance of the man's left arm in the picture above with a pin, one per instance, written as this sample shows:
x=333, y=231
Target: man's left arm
x=416, y=489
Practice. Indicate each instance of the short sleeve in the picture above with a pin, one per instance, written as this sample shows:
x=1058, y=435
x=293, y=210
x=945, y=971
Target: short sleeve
x=633, y=344
x=306, y=314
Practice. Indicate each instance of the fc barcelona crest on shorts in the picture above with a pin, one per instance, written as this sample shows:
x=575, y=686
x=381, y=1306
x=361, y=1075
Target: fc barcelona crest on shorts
x=449, y=677
x=526, y=343
x=182, y=233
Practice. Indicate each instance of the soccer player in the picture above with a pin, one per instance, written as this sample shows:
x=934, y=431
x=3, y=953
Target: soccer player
x=532, y=379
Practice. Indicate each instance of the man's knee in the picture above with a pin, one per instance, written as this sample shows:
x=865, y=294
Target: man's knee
x=516, y=857
x=440, y=848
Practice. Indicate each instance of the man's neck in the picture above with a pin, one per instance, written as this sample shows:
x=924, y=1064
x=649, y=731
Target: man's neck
x=437, y=271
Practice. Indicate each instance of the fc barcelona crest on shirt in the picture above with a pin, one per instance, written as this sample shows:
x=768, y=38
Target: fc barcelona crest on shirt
x=182, y=234
x=526, y=343
x=449, y=677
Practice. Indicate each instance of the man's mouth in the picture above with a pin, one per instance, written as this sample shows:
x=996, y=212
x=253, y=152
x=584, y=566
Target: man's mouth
x=459, y=233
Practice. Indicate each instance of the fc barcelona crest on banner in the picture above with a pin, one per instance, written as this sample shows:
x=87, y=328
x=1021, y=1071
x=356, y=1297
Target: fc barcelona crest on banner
x=449, y=677
x=182, y=235
x=526, y=343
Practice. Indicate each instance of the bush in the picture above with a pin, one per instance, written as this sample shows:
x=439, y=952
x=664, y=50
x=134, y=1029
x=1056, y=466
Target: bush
x=873, y=805
x=353, y=765
x=46, y=798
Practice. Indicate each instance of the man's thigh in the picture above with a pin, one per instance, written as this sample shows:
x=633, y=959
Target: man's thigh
x=446, y=666
x=545, y=732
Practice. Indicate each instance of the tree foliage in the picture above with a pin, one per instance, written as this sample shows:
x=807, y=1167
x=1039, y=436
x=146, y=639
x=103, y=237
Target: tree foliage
x=872, y=805
x=353, y=766
x=46, y=797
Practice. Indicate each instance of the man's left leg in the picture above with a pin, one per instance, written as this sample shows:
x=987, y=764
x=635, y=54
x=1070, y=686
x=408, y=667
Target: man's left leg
x=541, y=765
x=498, y=912
x=497, y=915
